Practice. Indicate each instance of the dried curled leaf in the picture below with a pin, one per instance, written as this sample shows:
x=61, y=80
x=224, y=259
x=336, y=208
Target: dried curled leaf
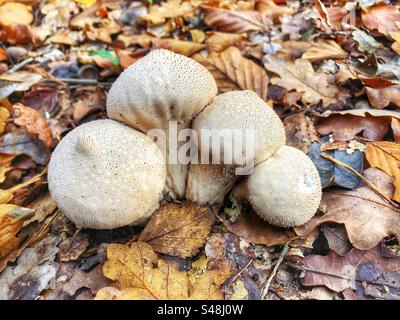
x=178, y=229
x=140, y=275
x=233, y=21
x=300, y=76
x=386, y=156
x=381, y=17
x=12, y=219
x=233, y=71
x=382, y=97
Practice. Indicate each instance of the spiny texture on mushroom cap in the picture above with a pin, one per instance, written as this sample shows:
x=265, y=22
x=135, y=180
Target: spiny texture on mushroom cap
x=285, y=190
x=241, y=111
x=160, y=87
x=105, y=175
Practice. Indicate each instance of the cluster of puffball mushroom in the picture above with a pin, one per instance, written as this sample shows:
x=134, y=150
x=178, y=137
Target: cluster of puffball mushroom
x=108, y=173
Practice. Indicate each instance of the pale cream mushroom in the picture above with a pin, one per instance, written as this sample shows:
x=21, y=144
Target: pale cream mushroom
x=284, y=190
x=105, y=175
x=237, y=112
x=159, y=88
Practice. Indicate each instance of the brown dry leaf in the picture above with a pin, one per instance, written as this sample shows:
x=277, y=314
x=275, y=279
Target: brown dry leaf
x=34, y=122
x=381, y=17
x=345, y=125
x=15, y=13
x=253, y=229
x=178, y=229
x=219, y=41
x=12, y=219
x=233, y=21
x=300, y=76
x=140, y=275
x=186, y=48
x=366, y=216
x=356, y=269
x=240, y=72
x=382, y=97
x=269, y=7
x=396, y=37
x=170, y=9
x=324, y=50
x=4, y=114
x=386, y=156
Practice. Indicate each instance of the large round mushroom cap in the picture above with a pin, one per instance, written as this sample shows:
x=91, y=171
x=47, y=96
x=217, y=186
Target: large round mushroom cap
x=105, y=175
x=285, y=190
x=160, y=87
x=241, y=112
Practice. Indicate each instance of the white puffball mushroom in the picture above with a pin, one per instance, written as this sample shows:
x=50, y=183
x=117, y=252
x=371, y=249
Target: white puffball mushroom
x=105, y=175
x=235, y=112
x=285, y=190
x=161, y=87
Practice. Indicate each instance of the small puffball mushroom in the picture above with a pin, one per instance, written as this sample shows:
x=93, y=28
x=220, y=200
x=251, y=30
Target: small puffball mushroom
x=105, y=175
x=242, y=112
x=285, y=190
x=159, y=88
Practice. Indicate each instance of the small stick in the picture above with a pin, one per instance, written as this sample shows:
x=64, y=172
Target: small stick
x=369, y=184
x=240, y=272
x=21, y=64
x=274, y=271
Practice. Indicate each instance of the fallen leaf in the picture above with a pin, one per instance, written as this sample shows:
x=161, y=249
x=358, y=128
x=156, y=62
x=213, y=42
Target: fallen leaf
x=240, y=72
x=269, y=7
x=366, y=43
x=232, y=21
x=300, y=76
x=140, y=275
x=219, y=41
x=186, y=48
x=18, y=34
x=34, y=272
x=12, y=218
x=17, y=81
x=34, y=123
x=337, y=238
x=385, y=155
x=255, y=230
x=382, y=97
x=349, y=272
x=178, y=229
x=381, y=17
x=320, y=51
x=366, y=216
x=158, y=13
x=4, y=114
x=345, y=125
x=396, y=37
x=15, y=13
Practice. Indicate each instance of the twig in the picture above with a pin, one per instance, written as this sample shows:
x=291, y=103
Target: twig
x=274, y=271
x=369, y=183
x=240, y=272
x=21, y=64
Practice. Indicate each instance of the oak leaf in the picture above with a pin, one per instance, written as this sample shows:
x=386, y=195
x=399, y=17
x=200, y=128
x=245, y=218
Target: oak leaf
x=140, y=275
x=366, y=216
x=178, y=229
x=232, y=70
x=385, y=155
x=382, y=97
x=300, y=76
x=357, y=270
x=170, y=9
x=219, y=41
x=232, y=21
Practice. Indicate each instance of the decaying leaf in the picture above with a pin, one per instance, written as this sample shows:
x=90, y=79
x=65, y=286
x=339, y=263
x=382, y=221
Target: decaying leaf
x=178, y=229
x=140, y=275
x=382, y=97
x=381, y=17
x=232, y=70
x=300, y=76
x=233, y=21
x=366, y=216
x=386, y=156
x=15, y=13
x=357, y=269
x=219, y=41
